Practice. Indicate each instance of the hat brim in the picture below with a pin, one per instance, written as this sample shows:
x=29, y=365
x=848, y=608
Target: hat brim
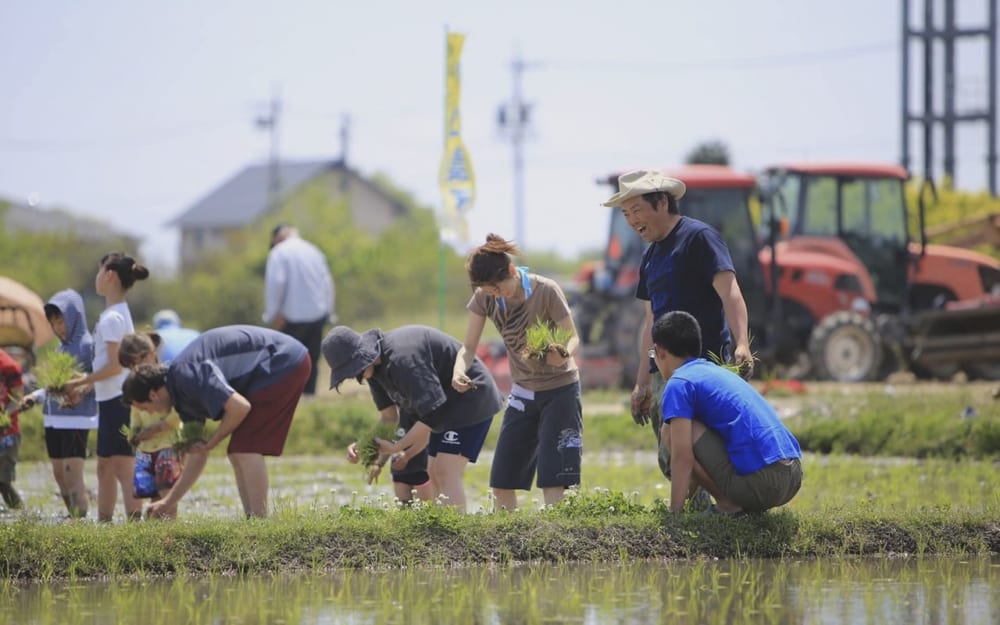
x=675, y=189
x=367, y=354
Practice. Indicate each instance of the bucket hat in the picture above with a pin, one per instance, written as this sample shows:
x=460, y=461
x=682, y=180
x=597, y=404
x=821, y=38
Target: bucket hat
x=643, y=181
x=349, y=353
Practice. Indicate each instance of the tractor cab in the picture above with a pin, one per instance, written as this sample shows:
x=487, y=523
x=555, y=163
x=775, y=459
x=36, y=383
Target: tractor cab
x=937, y=303
x=854, y=212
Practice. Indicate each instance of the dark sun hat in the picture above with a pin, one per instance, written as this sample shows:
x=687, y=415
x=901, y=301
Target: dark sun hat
x=349, y=353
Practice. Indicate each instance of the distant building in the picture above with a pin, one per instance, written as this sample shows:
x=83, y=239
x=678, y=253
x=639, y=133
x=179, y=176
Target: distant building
x=244, y=199
x=16, y=217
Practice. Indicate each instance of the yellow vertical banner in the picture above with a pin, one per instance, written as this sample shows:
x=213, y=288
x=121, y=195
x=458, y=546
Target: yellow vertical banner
x=457, y=181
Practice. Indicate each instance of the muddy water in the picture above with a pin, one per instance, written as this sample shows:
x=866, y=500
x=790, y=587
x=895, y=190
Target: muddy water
x=936, y=591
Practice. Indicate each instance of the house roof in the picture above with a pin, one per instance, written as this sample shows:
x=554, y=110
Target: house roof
x=244, y=197
x=19, y=217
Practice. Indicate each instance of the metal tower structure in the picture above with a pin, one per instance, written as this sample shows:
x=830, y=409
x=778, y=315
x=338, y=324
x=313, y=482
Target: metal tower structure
x=947, y=34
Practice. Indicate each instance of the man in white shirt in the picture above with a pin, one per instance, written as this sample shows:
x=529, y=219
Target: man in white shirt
x=298, y=292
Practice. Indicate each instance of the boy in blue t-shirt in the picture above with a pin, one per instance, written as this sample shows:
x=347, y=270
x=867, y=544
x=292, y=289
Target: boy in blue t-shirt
x=721, y=433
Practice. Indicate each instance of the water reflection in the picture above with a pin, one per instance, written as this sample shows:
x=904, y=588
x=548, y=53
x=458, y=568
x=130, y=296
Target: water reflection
x=936, y=591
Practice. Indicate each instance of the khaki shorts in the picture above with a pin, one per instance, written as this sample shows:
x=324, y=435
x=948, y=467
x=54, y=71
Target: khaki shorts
x=769, y=487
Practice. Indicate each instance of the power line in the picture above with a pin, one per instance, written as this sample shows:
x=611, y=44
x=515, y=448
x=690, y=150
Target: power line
x=773, y=60
x=147, y=138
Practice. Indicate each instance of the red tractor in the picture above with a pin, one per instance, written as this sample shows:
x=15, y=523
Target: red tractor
x=934, y=305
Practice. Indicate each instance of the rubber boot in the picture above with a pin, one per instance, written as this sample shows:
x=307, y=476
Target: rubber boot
x=10, y=496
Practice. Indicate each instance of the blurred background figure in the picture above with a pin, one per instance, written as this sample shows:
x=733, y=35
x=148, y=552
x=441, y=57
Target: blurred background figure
x=174, y=337
x=298, y=292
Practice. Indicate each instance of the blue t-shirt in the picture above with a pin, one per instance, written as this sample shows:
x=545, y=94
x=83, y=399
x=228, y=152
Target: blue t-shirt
x=723, y=402
x=676, y=274
x=221, y=361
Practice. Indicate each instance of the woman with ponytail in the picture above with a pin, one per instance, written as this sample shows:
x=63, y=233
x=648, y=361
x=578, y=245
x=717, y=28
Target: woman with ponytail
x=542, y=427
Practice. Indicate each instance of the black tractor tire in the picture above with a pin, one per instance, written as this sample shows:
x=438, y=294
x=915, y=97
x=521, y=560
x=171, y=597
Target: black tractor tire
x=982, y=370
x=628, y=327
x=846, y=347
x=943, y=371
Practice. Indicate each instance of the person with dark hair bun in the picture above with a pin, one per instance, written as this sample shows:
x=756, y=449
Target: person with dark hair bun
x=542, y=427
x=116, y=274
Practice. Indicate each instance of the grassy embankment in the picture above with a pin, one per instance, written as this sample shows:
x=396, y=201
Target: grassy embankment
x=920, y=478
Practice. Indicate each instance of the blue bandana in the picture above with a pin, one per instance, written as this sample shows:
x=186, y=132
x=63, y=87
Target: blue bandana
x=525, y=284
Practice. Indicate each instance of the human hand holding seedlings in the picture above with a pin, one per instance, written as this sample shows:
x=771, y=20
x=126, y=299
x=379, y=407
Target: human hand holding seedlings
x=27, y=403
x=548, y=343
x=130, y=434
x=413, y=442
x=744, y=359
x=462, y=383
x=352, y=453
x=556, y=355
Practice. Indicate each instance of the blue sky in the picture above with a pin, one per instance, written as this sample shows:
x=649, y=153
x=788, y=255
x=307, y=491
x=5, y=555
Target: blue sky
x=132, y=111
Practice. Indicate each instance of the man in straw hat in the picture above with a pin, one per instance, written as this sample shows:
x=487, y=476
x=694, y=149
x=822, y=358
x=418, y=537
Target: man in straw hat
x=687, y=266
x=409, y=372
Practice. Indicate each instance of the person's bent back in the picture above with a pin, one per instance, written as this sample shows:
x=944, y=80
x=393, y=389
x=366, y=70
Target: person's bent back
x=721, y=433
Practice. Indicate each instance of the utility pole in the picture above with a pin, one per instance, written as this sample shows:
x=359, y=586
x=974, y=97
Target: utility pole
x=948, y=34
x=514, y=120
x=345, y=145
x=345, y=137
x=270, y=122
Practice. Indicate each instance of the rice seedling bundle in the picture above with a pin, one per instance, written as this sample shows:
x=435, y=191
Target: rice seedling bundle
x=368, y=452
x=55, y=370
x=541, y=337
x=190, y=433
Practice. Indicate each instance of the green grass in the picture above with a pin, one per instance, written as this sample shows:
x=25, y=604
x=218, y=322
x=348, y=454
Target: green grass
x=912, y=421
x=591, y=526
x=325, y=516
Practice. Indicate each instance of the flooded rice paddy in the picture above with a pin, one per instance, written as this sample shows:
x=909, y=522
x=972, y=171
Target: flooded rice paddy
x=906, y=591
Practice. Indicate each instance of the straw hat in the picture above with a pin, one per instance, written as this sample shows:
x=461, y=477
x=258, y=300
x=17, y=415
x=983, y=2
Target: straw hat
x=643, y=181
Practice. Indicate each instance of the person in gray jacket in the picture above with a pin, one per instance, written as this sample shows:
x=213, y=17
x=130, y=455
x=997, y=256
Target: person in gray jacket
x=409, y=372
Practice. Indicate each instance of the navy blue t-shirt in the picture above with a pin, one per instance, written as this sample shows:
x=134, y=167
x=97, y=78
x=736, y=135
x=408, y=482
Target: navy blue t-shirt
x=676, y=274
x=239, y=358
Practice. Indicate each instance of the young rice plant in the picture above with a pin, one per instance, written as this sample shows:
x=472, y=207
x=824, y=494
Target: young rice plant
x=55, y=370
x=367, y=446
x=541, y=337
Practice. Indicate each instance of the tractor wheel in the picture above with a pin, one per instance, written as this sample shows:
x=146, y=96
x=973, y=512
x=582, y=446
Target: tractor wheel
x=982, y=370
x=845, y=347
x=943, y=371
x=628, y=320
